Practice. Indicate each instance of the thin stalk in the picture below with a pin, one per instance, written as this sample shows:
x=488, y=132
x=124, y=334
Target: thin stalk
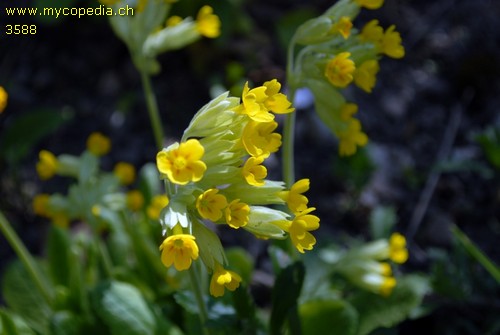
x=195, y=283
x=154, y=114
x=25, y=257
x=289, y=126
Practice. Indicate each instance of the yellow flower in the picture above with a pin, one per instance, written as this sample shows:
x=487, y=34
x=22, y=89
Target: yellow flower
x=343, y=27
x=135, y=200
x=60, y=219
x=391, y=43
x=222, y=279
x=397, y=248
x=365, y=75
x=236, y=214
x=179, y=250
x=350, y=137
x=155, y=207
x=47, y=165
x=259, y=140
x=372, y=32
x=296, y=201
x=276, y=102
x=173, y=20
x=370, y=4
x=207, y=23
x=387, y=285
x=210, y=204
x=253, y=172
x=257, y=102
x=339, y=70
x=300, y=228
x=125, y=172
x=182, y=162
x=347, y=110
x=40, y=203
x=98, y=144
x=3, y=99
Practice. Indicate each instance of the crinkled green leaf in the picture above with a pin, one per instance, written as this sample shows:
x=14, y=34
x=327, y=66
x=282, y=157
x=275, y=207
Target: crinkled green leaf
x=12, y=324
x=65, y=323
x=123, y=309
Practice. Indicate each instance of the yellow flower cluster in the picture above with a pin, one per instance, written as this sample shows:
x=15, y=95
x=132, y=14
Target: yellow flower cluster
x=334, y=56
x=217, y=173
x=368, y=266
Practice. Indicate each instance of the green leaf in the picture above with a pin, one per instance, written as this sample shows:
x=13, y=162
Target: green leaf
x=22, y=297
x=89, y=166
x=123, y=309
x=377, y=311
x=285, y=294
x=12, y=324
x=24, y=132
x=149, y=181
x=245, y=310
x=58, y=245
x=382, y=221
x=328, y=317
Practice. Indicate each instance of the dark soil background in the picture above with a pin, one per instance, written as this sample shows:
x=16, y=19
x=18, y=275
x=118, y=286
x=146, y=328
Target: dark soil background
x=423, y=113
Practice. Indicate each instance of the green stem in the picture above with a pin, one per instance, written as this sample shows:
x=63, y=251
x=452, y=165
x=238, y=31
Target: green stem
x=154, y=114
x=195, y=283
x=288, y=144
x=26, y=258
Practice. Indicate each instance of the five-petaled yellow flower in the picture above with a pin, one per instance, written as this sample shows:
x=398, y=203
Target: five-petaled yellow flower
x=259, y=140
x=253, y=172
x=236, y=214
x=135, y=201
x=210, y=204
x=365, y=75
x=98, y=144
x=351, y=137
x=339, y=70
x=295, y=200
x=182, y=163
x=391, y=43
x=47, y=165
x=300, y=228
x=179, y=250
x=222, y=279
x=343, y=27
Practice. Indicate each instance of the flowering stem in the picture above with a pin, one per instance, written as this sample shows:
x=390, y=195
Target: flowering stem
x=289, y=126
x=195, y=283
x=154, y=114
x=26, y=258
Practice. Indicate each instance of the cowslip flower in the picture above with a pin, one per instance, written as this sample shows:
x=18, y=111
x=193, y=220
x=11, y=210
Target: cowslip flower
x=179, y=250
x=222, y=279
x=258, y=102
x=182, y=163
x=98, y=144
x=46, y=167
x=155, y=207
x=347, y=110
x=339, y=70
x=295, y=200
x=259, y=140
x=299, y=229
x=365, y=75
x=125, y=172
x=40, y=203
x=398, y=252
x=391, y=43
x=253, y=172
x=370, y=4
x=237, y=214
x=343, y=27
x=207, y=23
x=350, y=137
x=210, y=204
x=372, y=32
x=3, y=99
